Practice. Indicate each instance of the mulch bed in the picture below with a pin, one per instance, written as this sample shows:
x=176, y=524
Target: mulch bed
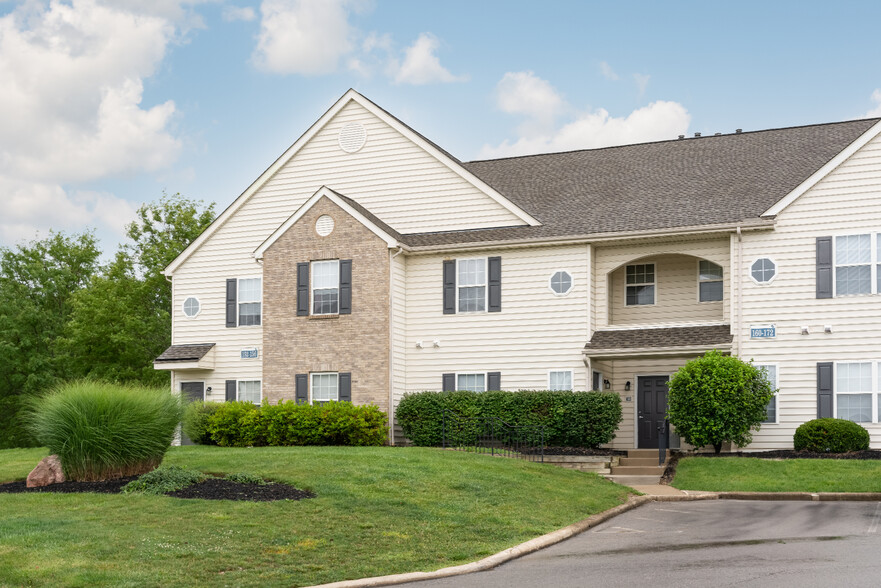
x=210, y=489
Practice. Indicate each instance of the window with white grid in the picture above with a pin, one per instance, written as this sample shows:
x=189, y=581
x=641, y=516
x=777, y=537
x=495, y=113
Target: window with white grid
x=250, y=301
x=249, y=391
x=326, y=287
x=471, y=382
x=640, y=284
x=853, y=264
x=325, y=387
x=471, y=280
x=560, y=380
x=853, y=391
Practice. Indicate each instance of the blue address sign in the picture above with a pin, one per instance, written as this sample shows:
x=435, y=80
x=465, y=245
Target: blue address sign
x=250, y=353
x=763, y=332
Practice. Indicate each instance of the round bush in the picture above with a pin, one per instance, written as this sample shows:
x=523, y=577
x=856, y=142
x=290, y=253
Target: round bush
x=831, y=436
x=102, y=431
x=197, y=416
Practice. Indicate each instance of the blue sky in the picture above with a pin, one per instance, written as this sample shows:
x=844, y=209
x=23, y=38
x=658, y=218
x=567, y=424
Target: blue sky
x=106, y=103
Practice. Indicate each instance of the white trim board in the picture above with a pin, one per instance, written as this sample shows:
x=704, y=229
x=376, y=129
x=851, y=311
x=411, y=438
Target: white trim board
x=824, y=171
x=349, y=96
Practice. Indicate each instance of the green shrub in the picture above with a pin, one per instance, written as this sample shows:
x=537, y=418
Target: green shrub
x=163, y=480
x=102, y=431
x=716, y=399
x=245, y=478
x=242, y=424
x=577, y=419
x=831, y=435
x=195, y=421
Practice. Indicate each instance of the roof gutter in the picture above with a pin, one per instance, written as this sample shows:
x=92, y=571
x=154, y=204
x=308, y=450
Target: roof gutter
x=758, y=224
x=654, y=351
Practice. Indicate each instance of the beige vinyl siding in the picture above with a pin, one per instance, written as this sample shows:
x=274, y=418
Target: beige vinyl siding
x=676, y=295
x=398, y=333
x=536, y=331
x=609, y=258
x=846, y=202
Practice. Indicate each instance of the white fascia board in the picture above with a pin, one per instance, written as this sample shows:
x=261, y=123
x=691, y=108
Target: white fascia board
x=654, y=351
x=307, y=136
x=322, y=192
x=824, y=171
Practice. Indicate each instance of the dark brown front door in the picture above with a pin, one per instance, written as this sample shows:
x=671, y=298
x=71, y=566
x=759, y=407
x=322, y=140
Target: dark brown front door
x=651, y=409
x=191, y=391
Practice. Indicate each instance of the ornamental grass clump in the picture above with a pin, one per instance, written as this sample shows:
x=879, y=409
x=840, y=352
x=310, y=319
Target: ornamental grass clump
x=102, y=431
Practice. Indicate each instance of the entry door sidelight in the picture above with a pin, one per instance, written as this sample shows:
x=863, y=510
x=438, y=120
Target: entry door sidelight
x=651, y=409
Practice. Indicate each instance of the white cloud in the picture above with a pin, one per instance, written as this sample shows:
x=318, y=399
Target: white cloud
x=876, y=98
x=607, y=71
x=234, y=13
x=642, y=82
x=421, y=65
x=302, y=36
x=525, y=94
x=70, y=109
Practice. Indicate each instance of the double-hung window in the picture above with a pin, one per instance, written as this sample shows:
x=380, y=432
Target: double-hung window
x=471, y=284
x=854, y=391
x=326, y=287
x=250, y=301
x=560, y=380
x=853, y=264
x=325, y=387
x=771, y=374
x=471, y=382
x=709, y=281
x=640, y=284
x=249, y=391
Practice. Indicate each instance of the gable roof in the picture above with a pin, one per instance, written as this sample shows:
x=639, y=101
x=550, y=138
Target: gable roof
x=713, y=180
x=350, y=96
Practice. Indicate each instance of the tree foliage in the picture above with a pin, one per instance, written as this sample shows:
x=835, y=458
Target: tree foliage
x=718, y=398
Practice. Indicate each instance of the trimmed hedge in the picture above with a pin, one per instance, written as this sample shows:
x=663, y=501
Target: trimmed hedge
x=831, y=436
x=242, y=424
x=573, y=419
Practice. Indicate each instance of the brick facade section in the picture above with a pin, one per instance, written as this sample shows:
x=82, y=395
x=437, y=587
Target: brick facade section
x=357, y=342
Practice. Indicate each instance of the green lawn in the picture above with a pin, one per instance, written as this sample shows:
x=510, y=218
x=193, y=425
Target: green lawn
x=750, y=474
x=378, y=511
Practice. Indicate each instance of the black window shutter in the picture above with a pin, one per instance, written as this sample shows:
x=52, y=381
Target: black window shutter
x=495, y=286
x=231, y=310
x=345, y=287
x=494, y=381
x=303, y=289
x=345, y=387
x=824, y=390
x=824, y=267
x=450, y=286
x=230, y=390
x=449, y=382
x=301, y=382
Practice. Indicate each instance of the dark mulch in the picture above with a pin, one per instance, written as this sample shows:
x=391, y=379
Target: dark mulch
x=210, y=489
x=216, y=489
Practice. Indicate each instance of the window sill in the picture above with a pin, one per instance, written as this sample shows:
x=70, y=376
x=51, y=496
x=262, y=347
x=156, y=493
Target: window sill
x=323, y=317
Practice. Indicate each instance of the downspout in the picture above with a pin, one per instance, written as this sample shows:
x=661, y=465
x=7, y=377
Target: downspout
x=738, y=281
x=391, y=345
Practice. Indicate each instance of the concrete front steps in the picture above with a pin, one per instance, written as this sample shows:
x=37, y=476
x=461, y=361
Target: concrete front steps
x=639, y=468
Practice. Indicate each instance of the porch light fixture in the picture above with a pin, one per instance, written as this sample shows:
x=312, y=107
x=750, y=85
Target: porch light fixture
x=607, y=384
x=627, y=386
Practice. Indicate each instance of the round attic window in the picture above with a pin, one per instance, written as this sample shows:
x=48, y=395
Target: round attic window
x=324, y=225
x=352, y=137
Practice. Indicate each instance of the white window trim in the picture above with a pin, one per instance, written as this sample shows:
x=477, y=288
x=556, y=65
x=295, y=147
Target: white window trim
x=312, y=374
x=199, y=302
x=484, y=374
x=873, y=392
x=655, y=284
x=776, y=367
x=571, y=283
x=312, y=288
x=485, y=286
x=240, y=301
x=700, y=281
x=571, y=377
x=749, y=270
x=258, y=380
x=873, y=264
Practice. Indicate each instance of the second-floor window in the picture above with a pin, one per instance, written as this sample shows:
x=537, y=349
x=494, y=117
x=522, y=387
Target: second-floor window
x=640, y=284
x=853, y=264
x=250, y=301
x=325, y=287
x=471, y=283
x=709, y=281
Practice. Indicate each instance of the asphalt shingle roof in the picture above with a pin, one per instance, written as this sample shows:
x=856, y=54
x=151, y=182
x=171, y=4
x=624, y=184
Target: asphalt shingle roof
x=680, y=183
x=663, y=338
x=190, y=352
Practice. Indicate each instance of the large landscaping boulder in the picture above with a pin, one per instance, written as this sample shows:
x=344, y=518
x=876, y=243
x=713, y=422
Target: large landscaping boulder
x=48, y=471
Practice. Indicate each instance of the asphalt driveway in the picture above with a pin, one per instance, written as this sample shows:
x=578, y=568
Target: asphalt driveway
x=707, y=543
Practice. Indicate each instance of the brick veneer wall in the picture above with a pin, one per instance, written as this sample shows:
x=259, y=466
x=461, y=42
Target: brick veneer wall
x=357, y=342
